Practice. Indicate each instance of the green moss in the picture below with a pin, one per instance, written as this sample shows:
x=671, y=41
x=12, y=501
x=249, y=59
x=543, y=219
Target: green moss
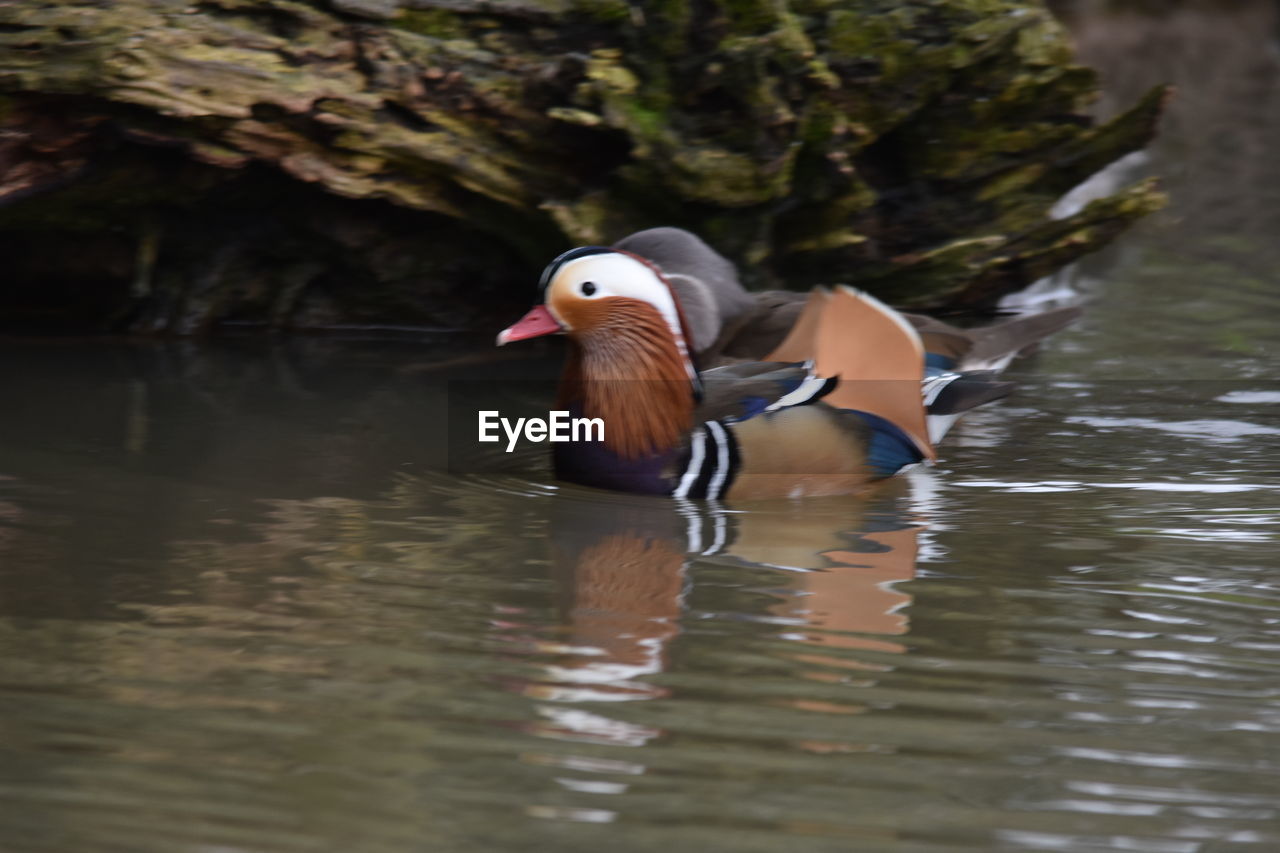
x=644, y=120
x=885, y=40
x=604, y=11
x=667, y=24
x=436, y=23
x=1011, y=181
x=715, y=175
x=754, y=16
x=606, y=68
x=586, y=221
x=1043, y=42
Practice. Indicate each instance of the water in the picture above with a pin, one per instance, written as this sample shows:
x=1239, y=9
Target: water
x=243, y=609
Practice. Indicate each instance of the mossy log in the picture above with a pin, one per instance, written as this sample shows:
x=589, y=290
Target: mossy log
x=168, y=165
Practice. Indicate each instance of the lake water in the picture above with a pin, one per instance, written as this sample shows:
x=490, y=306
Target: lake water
x=242, y=608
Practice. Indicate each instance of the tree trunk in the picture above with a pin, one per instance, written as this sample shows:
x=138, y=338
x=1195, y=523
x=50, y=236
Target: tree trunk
x=169, y=166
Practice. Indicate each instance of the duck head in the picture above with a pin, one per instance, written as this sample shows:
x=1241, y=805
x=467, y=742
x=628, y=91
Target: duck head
x=630, y=359
x=593, y=293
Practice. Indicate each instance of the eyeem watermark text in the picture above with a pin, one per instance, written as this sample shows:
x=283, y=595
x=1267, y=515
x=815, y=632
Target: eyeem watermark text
x=558, y=426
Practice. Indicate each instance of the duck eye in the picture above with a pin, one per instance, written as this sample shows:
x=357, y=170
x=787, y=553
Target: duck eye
x=588, y=288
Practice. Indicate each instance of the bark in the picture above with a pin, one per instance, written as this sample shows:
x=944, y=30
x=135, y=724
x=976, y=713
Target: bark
x=169, y=166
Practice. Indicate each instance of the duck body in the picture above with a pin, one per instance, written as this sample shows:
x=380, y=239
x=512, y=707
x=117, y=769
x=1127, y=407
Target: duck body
x=741, y=447
x=836, y=403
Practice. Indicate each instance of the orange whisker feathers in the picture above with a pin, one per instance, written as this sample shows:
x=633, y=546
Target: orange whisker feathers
x=630, y=372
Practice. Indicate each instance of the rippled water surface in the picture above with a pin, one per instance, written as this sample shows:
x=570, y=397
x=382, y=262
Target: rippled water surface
x=244, y=606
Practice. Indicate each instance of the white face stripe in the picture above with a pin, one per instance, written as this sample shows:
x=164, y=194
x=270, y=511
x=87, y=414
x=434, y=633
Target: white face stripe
x=615, y=274
x=618, y=274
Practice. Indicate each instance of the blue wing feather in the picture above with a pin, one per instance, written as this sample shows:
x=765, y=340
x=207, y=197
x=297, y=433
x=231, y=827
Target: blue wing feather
x=890, y=449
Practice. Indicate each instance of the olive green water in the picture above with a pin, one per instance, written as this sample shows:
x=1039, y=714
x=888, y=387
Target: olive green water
x=242, y=609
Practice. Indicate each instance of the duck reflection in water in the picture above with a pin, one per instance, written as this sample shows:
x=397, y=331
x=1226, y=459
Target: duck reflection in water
x=625, y=571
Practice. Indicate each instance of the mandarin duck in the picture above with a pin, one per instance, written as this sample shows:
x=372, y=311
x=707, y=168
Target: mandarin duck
x=836, y=405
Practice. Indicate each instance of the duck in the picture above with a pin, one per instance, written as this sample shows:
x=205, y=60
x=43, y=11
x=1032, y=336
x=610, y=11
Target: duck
x=846, y=398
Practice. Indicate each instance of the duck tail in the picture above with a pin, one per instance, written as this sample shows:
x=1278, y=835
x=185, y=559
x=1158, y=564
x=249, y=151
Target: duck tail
x=991, y=348
x=874, y=351
x=995, y=347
